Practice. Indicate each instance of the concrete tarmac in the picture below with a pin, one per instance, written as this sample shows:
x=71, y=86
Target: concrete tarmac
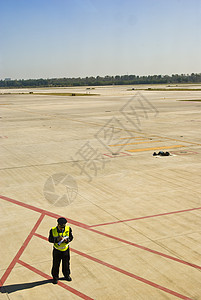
x=135, y=217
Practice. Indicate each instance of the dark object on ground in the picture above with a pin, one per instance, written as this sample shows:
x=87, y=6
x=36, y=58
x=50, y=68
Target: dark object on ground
x=68, y=278
x=54, y=280
x=161, y=153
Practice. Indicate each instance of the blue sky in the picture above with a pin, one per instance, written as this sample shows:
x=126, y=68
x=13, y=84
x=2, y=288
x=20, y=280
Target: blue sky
x=78, y=38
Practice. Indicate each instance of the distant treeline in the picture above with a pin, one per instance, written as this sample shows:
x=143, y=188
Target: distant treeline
x=106, y=80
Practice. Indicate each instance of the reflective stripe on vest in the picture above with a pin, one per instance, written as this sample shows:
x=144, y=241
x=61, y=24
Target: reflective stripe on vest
x=55, y=233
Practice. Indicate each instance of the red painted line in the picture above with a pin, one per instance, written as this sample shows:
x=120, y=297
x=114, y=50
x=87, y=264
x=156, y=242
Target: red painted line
x=19, y=253
x=68, y=288
x=111, y=236
x=143, y=248
x=108, y=155
x=42, y=211
x=39, y=210
x=164, y=289
x=41, y=236
x=121, y=154
x=146, y=249
x=146, y=217
x=155, y=285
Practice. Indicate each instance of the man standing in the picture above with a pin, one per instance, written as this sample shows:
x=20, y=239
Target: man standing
x=61, y=236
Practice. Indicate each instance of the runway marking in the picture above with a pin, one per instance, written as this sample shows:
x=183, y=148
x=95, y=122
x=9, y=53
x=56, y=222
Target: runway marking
x=48, y=213
x=16, y=259
x=122, y=271
x=146, y=217
x=120, y=154
x=19, y=253
x=135, y=143
x=148, y=282
x=70, y=289
x=156, y=148
x=147, y=249
x=87, y=227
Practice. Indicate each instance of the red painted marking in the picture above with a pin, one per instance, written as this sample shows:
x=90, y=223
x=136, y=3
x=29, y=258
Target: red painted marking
x=147, y=249
x=107, y=155
x=70, y=289
x=138, y=246
x=19, y=253
x=104, y=234
x=118, y=155
x=144, y=248
x=146, y=217
x=41, y=236
x=164, y=289
x=42, y=211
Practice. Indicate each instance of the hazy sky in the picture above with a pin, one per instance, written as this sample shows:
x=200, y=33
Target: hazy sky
x=78, y=38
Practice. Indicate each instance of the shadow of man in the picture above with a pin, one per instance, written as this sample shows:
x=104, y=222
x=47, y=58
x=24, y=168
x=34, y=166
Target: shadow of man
x=22, y=286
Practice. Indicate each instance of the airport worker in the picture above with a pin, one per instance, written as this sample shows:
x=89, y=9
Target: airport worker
x=61, y=235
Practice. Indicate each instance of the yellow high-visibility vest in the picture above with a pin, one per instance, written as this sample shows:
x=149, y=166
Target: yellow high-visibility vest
x=62, y=246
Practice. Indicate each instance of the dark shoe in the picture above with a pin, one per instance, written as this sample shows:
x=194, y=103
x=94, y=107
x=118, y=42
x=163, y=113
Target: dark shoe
x=68, y=278
x=54, y=280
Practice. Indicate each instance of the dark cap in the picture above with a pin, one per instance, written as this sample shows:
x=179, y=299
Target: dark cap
x=62, y=221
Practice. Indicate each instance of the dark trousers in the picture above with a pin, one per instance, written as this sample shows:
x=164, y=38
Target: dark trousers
x=57, y=257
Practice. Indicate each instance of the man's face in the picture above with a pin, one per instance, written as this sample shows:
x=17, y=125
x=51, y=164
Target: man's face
x=61, y=226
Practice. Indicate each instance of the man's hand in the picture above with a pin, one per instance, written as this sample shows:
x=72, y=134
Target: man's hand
x=67, y=240
x=59, y=238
